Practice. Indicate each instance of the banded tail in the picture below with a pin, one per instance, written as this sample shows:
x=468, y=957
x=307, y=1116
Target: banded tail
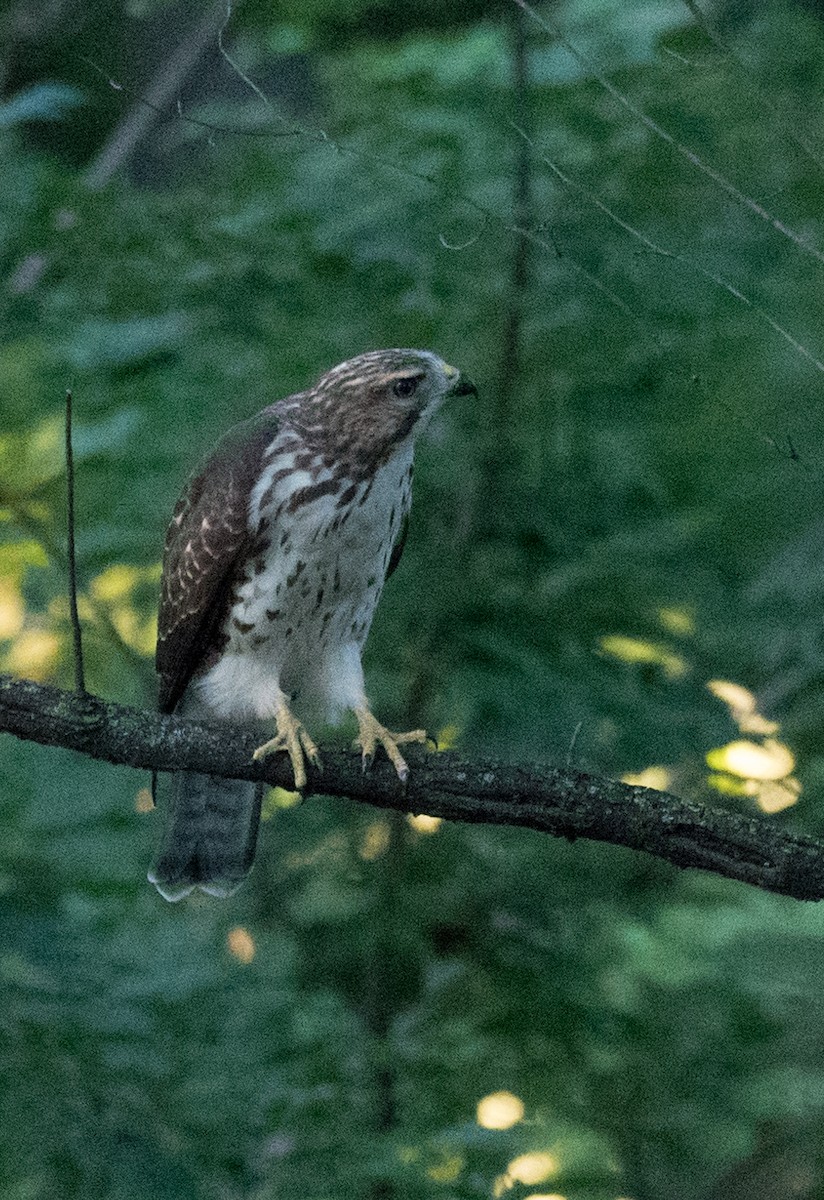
x=209, y=836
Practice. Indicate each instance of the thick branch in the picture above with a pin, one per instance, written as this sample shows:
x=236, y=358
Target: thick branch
x=564, y=803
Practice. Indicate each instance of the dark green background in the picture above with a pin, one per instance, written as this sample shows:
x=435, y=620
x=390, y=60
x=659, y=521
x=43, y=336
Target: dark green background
x=642, y=462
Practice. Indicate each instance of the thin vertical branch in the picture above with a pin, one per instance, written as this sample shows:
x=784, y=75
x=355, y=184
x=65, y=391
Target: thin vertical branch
x=499, y=455
x=386, y=968
x=79, y=679
x=521, y=208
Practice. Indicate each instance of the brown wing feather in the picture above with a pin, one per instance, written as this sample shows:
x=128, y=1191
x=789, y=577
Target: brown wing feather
x=207, y=539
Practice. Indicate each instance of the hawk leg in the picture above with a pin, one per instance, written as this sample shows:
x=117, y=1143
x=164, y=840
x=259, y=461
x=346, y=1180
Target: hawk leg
x=371, y=732
x=293, y=738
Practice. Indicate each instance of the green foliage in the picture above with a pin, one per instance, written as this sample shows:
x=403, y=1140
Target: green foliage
x=627, y=512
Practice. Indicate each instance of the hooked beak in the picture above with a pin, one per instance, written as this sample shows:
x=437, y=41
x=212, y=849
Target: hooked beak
x=461, y=385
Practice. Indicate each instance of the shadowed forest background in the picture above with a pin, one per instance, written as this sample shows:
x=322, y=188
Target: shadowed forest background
x=616, y=558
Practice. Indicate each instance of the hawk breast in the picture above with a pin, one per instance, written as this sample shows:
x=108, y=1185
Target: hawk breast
x=321, y=550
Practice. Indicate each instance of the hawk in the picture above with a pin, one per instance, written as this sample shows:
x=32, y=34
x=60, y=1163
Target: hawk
x=273, y=566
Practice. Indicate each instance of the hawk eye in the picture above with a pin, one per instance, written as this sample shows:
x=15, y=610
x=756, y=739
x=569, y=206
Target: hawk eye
x=405, y=387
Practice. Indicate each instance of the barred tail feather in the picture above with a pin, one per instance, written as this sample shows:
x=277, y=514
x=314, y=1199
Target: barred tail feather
x=209, y=836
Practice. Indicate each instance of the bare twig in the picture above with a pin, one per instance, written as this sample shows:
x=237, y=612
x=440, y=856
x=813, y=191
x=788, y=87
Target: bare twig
x=77, y=634
x=40, y=527
x=657, y=344
x=675, y=255
x=489, y=219
x=241, y=74
x=562, y=802
x=710, y=172
x=134, y=126
x=795, y=135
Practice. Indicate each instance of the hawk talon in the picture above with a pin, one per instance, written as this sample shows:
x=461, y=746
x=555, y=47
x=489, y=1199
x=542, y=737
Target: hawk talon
x=292, y=737
x=371, y=732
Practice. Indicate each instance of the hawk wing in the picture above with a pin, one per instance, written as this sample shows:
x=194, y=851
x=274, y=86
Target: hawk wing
x=207, y=539
x=397, y=549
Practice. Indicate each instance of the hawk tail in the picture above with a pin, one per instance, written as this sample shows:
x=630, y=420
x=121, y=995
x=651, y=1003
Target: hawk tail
x=209, y=836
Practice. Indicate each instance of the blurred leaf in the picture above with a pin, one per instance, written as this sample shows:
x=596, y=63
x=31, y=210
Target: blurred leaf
x=41, y=102
x=108, y=343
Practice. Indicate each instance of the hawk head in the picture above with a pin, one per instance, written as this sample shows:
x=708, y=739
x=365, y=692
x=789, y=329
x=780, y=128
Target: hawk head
x=387, y=394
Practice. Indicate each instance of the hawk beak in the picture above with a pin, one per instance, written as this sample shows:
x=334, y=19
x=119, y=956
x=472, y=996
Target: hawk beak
x=460, y=385
x=464, y=387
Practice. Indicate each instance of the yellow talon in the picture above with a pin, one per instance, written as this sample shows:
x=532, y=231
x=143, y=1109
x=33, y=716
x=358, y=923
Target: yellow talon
x=371, y=732
x=293, y=738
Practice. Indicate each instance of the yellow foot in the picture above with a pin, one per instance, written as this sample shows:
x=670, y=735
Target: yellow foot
x=293, y=738
x=371, y=732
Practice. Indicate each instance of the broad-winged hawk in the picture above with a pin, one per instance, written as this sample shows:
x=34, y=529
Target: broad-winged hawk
x=273, y=566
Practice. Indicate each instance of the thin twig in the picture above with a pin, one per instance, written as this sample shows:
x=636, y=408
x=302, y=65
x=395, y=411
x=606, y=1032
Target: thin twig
x=490, y=219
x=497, y=465
x=735, y=193
x=41, y=529
x=79, y=679
x=250, y=83
x=795, y=135
x=711, y=276
x=572, y=742
x=133, y=127
x=675, y=255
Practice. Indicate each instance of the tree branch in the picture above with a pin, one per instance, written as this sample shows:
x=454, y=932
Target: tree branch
x=134, y=126
x=562, y=802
